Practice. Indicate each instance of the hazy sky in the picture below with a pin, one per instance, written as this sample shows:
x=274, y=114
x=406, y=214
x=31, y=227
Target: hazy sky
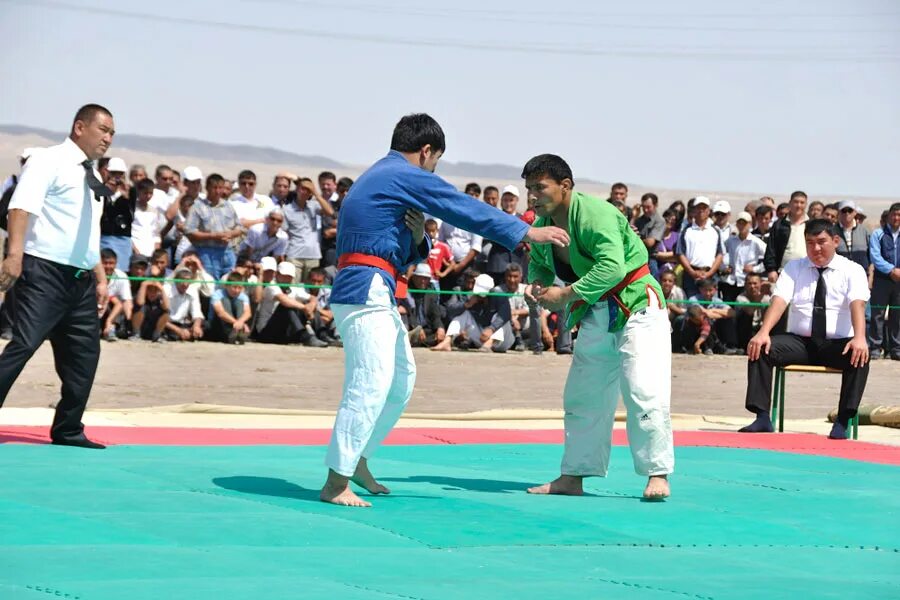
x=764, y=96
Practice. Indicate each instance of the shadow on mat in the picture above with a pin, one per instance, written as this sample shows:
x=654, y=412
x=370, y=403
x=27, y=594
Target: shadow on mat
x=266, y=486
x=22, y=438
x=494, y=486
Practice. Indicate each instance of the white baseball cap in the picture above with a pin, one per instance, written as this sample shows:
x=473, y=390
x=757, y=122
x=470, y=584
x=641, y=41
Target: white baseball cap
x=116, y=165
x=191, y=174
x=287, y=268
x=744, y=216
x=511, y=189
x=847, y=204
x=701, y=200
x=484, y=283
x=422, y=270
x=268, y=263
x=721, y=206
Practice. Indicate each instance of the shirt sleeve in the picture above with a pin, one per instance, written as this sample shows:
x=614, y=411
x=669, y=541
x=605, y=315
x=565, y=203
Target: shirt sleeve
x=192, y=223
x=784, y=287
x=196, y=310
x=881, y=264
x=858, y=284
x=656, y=232
x=432, y=195
x=33, y=184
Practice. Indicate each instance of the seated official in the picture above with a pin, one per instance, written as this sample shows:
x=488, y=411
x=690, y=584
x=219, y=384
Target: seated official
x=827, y=294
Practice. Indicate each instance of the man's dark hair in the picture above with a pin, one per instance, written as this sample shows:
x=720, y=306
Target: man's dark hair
x=619, y=186
x=669, y=213
x=88, y=112
x=894, y=206
x=705, y=284
x=816, y=226
x=751, y=275
x=782, y=206
x=316, y=271
x=344, y=183
x=327, y=175
x=162, y=168
x=107, y=253
x=157, y=253
x=652, y=197
x=473, y=187
x=762, y=210
x=234, y=276
x=143, y=185
x=833, y=205
x=548, y=165
x=471, y=272
x=414, y=132
x=491, y=188
x=102, y=162
x=799, y=194
x=247, y=174
x=214, y=179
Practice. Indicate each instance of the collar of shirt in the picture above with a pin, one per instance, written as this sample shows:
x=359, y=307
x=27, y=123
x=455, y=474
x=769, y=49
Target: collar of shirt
x=704, y=228
x=71, y=150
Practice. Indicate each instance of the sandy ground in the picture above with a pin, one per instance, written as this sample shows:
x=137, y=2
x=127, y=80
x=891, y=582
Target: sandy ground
x=140, y=374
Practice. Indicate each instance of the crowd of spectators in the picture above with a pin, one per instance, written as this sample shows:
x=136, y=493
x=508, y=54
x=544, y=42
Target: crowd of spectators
x=243, y=265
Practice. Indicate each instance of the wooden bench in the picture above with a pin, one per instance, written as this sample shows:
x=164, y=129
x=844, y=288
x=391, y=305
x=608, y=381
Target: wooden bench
x=778, y=393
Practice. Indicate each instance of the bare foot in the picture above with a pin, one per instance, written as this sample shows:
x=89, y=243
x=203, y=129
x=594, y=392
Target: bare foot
x=565, y=485
x=337, y=491
x=442, y=347
x=364, y=478
x=657, y=488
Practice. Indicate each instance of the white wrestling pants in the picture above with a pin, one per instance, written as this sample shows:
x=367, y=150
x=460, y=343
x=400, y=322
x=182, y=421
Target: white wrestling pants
x=379, y=375
x=636, y=361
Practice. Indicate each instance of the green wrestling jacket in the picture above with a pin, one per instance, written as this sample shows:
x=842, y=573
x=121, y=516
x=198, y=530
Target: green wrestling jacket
x=608, y=257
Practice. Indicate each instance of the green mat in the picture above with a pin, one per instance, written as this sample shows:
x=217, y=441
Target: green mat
x=153, y=522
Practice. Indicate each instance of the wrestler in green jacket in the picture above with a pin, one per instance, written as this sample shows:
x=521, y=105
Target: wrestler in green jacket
x=603, y=251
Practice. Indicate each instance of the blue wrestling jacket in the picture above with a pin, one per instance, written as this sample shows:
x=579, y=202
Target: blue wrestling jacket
x=371, y=222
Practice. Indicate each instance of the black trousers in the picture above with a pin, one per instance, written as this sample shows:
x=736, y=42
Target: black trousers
x=285, y=326
x=885, y=292
x=57, y=302
x=790, y=349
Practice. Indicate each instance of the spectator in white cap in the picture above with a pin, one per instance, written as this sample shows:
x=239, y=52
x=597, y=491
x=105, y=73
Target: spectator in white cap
x=422, y=312
x=854, y=242
x=699, y=249
x=267, y=238
x=745, y=253
x=721, y=213
x=118, y=213
x=285, y=311
x=498, y=257
x=484, y=324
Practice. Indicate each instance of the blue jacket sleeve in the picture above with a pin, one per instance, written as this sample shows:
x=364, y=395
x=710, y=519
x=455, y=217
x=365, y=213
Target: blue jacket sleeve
x=430, y=194
x=881, y=264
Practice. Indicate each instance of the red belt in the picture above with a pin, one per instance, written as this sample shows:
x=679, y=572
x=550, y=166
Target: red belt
x=358, y=259
x=629, y=279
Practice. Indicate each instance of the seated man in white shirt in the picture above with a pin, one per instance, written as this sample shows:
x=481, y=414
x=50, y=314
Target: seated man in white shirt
x=827, y=294
x=285, y=311
x=147, y=222
x=118, y=310
x=266, y=239
x=185, y=322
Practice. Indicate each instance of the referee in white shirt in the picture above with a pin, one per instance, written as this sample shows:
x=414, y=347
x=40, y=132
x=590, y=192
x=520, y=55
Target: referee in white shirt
x=54, y=263
x=827, y=294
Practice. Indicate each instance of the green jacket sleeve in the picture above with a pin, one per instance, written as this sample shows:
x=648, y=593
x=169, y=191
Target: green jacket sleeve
x=599, y=235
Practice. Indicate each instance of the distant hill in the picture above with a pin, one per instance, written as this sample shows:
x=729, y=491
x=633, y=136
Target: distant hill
x=174, y=146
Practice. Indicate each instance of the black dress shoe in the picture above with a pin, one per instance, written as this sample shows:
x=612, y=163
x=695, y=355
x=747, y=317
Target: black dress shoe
x=81, y=442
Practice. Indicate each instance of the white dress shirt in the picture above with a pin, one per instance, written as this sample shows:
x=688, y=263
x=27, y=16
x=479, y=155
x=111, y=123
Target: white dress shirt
x=64, y=218
x=259, y=243
x=741, y=253
x=119, y=286
x=161, y=200
x=269, y=302
x=183, y=308
x=459, y=240
x=845, y=281
x=257, y=208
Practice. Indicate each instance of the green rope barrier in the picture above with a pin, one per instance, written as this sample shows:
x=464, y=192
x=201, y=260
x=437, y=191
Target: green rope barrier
x=426, y=291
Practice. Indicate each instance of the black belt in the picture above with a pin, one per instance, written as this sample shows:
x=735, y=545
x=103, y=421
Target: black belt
x=68, y=270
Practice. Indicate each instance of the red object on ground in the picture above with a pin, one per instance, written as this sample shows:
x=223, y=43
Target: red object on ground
x=799, y=443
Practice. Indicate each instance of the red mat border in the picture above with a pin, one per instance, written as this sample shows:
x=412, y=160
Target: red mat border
x=799, y=443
